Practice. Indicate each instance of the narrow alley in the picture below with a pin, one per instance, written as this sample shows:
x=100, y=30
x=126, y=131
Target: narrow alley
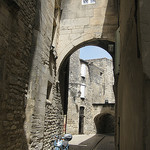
x=48, y=89
x=92, y=142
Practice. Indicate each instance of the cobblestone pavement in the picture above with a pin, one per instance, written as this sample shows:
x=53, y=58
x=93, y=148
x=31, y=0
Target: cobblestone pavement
x=92, y=142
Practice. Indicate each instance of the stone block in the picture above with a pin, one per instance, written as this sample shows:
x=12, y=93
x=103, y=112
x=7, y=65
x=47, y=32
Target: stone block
x=97, y=21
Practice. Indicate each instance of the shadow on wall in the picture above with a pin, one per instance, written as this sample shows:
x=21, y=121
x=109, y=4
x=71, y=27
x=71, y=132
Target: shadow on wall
x=111, y=24
x=111, y=20
x=17, y=48
x=105, y=123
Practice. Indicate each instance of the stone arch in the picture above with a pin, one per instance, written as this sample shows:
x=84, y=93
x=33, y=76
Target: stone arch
x=89, y=23
x=82, y=28
x=81, y=42
x=63, y=70
x=105, y=123
x=63, y=62
x=96, y=22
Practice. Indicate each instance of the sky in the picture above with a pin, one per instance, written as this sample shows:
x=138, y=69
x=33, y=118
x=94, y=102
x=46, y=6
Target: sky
x=93, y=52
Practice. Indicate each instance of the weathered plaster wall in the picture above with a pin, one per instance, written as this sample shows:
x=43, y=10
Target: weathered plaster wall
x=81, y=23
x=98, y=88
x=131, y=82
x=144, y=42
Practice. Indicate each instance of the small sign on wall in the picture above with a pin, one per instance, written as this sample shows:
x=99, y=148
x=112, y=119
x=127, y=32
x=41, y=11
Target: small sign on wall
x=85, y=2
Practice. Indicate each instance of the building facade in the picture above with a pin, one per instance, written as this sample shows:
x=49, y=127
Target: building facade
x=90, y=94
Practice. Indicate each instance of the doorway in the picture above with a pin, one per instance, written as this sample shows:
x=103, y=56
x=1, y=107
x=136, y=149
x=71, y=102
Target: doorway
x=81, y=120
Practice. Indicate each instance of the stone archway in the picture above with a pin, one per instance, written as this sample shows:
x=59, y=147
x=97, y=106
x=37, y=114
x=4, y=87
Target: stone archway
x=64, y=83
x=94, y=25
x=91, y=23
x=104, y=123
x=63, y=66
x=103, y=43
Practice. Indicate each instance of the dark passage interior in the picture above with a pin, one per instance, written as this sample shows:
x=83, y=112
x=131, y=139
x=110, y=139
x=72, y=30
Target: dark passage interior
x=104, y=123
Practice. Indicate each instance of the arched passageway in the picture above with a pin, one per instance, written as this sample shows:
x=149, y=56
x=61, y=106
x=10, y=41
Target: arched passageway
x=63, y=69
x=104, y=123
x=99, y=76
x=107, y=45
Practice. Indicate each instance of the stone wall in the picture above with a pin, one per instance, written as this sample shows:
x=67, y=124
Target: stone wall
x=16, y=30
x=73, y=96
x=91, y=23
x=102, y=68
x=44, y=111
x=53, y=123
x=98, y=83
x=30, y=99
x=131, y=103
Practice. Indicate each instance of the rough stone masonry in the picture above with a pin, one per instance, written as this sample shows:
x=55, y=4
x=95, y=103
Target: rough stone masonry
x=97, y=80
x=28, y=115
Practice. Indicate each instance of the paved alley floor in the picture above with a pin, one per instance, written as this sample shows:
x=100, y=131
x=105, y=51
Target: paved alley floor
x=92, y=142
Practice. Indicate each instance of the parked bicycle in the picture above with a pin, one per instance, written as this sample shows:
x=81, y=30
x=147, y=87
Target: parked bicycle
x=62, y=143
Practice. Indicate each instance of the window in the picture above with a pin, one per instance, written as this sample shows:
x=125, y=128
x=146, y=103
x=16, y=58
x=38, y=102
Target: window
x=84, y=2
x=82, y=111
x=82, y=89
x=83, y=70
x=81, y=120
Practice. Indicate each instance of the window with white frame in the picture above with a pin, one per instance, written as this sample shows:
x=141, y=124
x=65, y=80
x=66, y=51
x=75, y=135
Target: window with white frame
x=83, y=70
x=85, y=2
x=82, y=89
